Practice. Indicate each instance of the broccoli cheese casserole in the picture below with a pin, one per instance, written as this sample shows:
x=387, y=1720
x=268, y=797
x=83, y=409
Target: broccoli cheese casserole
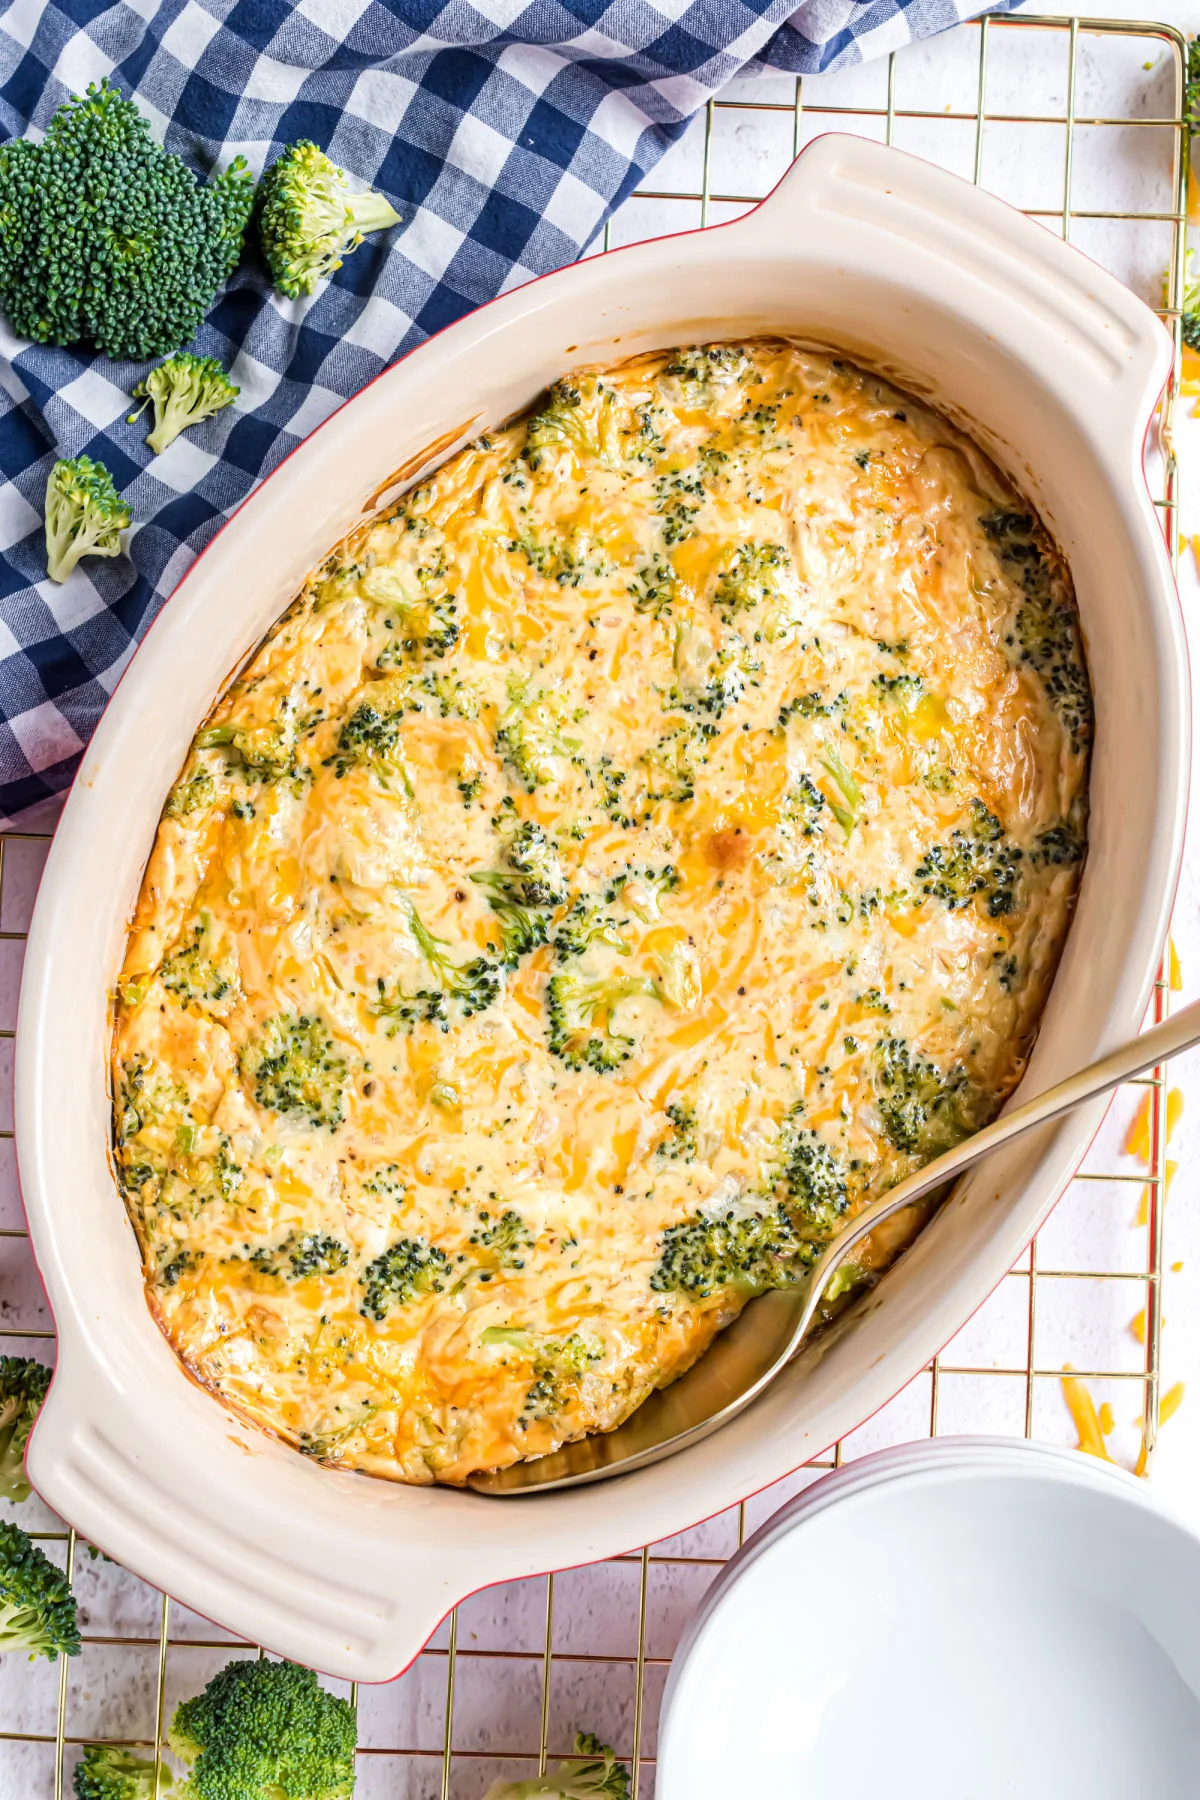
x=633, y=851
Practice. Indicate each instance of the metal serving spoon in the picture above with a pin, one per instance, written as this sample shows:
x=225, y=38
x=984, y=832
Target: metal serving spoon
x=748, y=1354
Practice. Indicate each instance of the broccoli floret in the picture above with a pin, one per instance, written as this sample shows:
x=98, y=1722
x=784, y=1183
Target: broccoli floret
x=654, y=587
x=977, y=861
x=559, y=1368
x=562, y=421
x=37, y=1607
x=813, y=1177
x=308, y=218
x=295, y=1067
x=85, y=515
x=679, y=499
x=425, y=613
x=265, y=1731
x=508, y=1237
x=368, y=736
x=1059, y=846
x=920, y=1105
x=405, y=1269
x=266, y=752
x=579, y=1018
x=587, y=923
x=106, y=237
x=1047, y=631
x=23, y=1385
x=304, y=1253
x=672, y=764
x=472, y=986
x=848, y=815
x=719, y=687
x=192, y=973
x=106, y=1772
x=699, y=368
x=679, y=1145
x=183, y=392
x=1189, y=324
x=522, y=926
x=750, y=579
x=531, y=737
x=192, y=795
x=803, y=804
x=1191, y=97
x=522, y=894
x=592, y=1774
x=749, y=1250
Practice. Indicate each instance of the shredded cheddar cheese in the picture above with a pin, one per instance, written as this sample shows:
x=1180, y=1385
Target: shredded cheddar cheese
x=639, y=846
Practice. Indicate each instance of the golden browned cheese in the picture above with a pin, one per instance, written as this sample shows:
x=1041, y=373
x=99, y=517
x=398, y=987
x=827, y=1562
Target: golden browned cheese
x=635, y=850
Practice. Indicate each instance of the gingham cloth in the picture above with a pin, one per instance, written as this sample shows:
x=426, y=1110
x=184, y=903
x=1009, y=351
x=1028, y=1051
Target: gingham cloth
x=504, y=133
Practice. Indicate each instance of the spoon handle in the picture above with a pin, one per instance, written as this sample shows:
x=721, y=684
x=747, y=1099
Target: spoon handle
x=1159, y=1044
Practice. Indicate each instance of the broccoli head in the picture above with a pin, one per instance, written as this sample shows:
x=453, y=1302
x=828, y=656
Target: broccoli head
x=750, y=578
x=978, y=861
x=593, y=1773
x=37, y=1607
x=579, y=1018
x=814, y=1179
x=23, y=1386
x=85, y=515
x=309, y=218
x=679, y=1145
x=920, y=1105
x=265, y=1731
x=472, y=986
x=586, y=923
x=294, y=1067
x=507, y=1237
x=1189, y=323
x=300, y=1254
x=183, y=391
x=531, y=736
x=405, y=1269
x=107, y=1772
x=559, y=1368
x=747, y=1250
x=1046, y=637
x=573, y=417
x=107, y=238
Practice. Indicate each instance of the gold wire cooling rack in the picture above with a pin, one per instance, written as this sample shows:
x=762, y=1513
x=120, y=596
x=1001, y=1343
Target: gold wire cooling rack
x=539, y=1678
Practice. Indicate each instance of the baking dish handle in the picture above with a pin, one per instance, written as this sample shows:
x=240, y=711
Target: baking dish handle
x=1034, y=294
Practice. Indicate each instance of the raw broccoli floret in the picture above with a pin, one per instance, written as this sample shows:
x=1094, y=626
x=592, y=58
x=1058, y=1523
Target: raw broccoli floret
x=106, y=237
x=1191, y=97
x=748, y=1250
x=106, y=1772
x=23, y=1385
x=813, y=1177
x=559, y=1367
x=593, y=1773
x=295, y=1067
x=183, y=391
x=265, y=1731
x=37, y=1607
x=405, y=1269
x=920, y=1105
x=309, y=218
x=85, y=515
x=978, y=861
x=579, y=1018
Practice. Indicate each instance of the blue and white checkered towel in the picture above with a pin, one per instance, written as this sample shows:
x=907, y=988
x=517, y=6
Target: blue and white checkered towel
x=505, y=133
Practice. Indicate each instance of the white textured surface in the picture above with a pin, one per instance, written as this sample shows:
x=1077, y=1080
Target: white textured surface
x=501, y=1635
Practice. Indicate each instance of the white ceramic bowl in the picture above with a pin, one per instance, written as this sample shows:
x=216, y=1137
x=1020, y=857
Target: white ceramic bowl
x=1056, y=368
x=968, y=1619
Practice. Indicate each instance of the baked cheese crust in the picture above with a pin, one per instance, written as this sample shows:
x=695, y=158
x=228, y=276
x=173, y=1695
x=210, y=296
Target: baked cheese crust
x=636, y=849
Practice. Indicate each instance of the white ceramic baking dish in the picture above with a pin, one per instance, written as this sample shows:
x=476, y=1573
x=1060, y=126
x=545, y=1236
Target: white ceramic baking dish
x=1056, y=368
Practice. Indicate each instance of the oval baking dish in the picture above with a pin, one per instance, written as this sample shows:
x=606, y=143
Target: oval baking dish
x=1055, y=368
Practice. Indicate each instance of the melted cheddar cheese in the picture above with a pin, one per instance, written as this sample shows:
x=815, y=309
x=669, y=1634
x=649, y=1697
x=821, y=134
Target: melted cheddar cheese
x=637, y=848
